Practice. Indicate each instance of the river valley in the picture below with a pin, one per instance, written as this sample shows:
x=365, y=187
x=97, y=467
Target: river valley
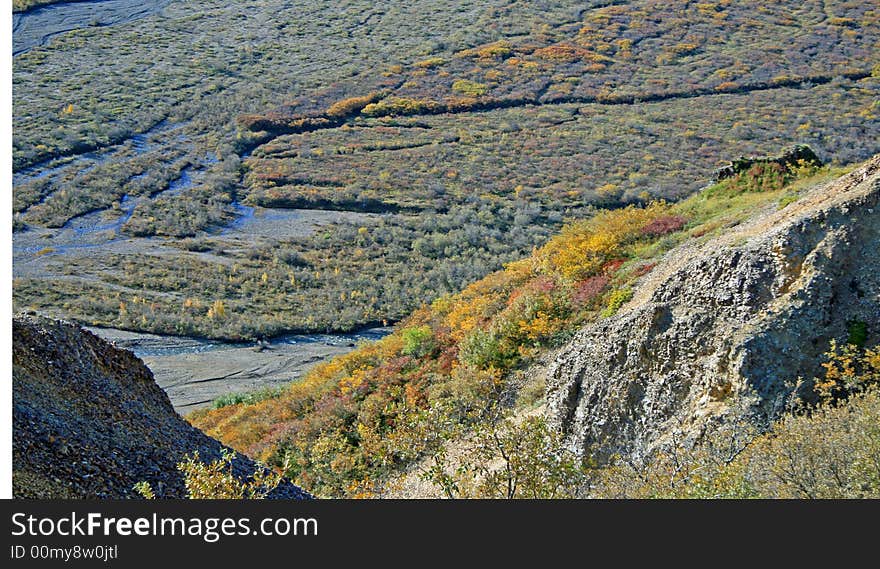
x=37, y=26
x=193, y=372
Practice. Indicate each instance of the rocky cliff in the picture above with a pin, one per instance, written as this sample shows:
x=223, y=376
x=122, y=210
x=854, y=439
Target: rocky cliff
x=735, y=319
x=89, y=421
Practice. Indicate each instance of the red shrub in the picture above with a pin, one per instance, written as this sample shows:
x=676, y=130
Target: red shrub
x=394, y=367
x=447, y=359
x=644, y=269
x=664, y=225
x=588, y=290
x=611, y=266
x=543, y=284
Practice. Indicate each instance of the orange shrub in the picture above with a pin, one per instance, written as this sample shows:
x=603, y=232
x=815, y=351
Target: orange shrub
x=352, y=105
x=568, y=52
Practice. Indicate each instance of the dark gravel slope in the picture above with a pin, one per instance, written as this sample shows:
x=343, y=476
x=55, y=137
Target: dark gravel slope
x=89, y=421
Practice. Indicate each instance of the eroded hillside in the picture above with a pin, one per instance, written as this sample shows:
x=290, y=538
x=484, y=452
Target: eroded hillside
x=740, y=317
x=89, y=421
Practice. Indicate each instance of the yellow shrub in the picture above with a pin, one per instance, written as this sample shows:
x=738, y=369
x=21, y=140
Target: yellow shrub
x=430, y=62
x=351, y=105
x=489, y=51
x=583, y=248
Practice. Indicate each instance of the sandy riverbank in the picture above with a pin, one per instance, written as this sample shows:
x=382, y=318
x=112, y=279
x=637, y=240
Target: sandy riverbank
x=195, y=372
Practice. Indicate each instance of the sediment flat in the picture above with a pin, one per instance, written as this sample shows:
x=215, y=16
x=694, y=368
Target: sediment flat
x=195, y=372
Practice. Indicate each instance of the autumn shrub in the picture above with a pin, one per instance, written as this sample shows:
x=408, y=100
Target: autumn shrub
x=467, y=394
x=510, y=459
x=569, y=53
x=394, y=106
x=849, y=369
x=612, y=266
x=494, y=50
x=417, y=341
x=470, y=88
x=643, y=269
x=430, y=62
x=216, y=481
x=664, y=225
x=617, y=299
x=589, y=289
x=352, y=105
x=831, y=453
x=582, y=249
x=561, y=52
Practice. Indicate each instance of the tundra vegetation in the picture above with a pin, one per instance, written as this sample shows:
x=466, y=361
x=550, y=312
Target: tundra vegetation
x=459, y=138
x=511, y=170
x=456, y=369
x=215, y=480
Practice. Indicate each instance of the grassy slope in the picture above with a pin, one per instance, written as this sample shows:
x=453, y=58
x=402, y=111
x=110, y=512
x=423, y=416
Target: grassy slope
x=359, y=417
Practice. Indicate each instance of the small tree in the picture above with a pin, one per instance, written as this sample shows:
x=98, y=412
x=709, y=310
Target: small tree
x=510, y=459
x=216, y=480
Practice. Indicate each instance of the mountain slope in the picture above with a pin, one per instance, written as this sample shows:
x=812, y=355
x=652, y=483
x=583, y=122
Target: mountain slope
x=89, y=421
x=466, y=358
x=740, y=316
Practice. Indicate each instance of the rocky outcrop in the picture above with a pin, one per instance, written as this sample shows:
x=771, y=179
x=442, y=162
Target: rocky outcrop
x=794, y=156
x=736, y=319
x=89, y=421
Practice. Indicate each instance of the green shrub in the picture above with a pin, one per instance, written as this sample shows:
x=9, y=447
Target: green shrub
x=857, y=333
x=418, y=341
x=248, y=398
x=484, y=349
x=511, y=459
x=469, y=88
x=617, y=299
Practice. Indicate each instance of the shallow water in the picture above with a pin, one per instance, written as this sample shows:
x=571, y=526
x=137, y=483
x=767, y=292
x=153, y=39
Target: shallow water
x=244, y=215
x=152, y=345
x=82, y=163
x=101, y=227
x=38, y=26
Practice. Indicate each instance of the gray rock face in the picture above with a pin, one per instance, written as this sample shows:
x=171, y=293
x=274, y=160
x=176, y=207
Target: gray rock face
x=736, y=319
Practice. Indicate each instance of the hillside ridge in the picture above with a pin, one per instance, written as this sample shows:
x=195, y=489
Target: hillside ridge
x=738, y=317
x=91, y=422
